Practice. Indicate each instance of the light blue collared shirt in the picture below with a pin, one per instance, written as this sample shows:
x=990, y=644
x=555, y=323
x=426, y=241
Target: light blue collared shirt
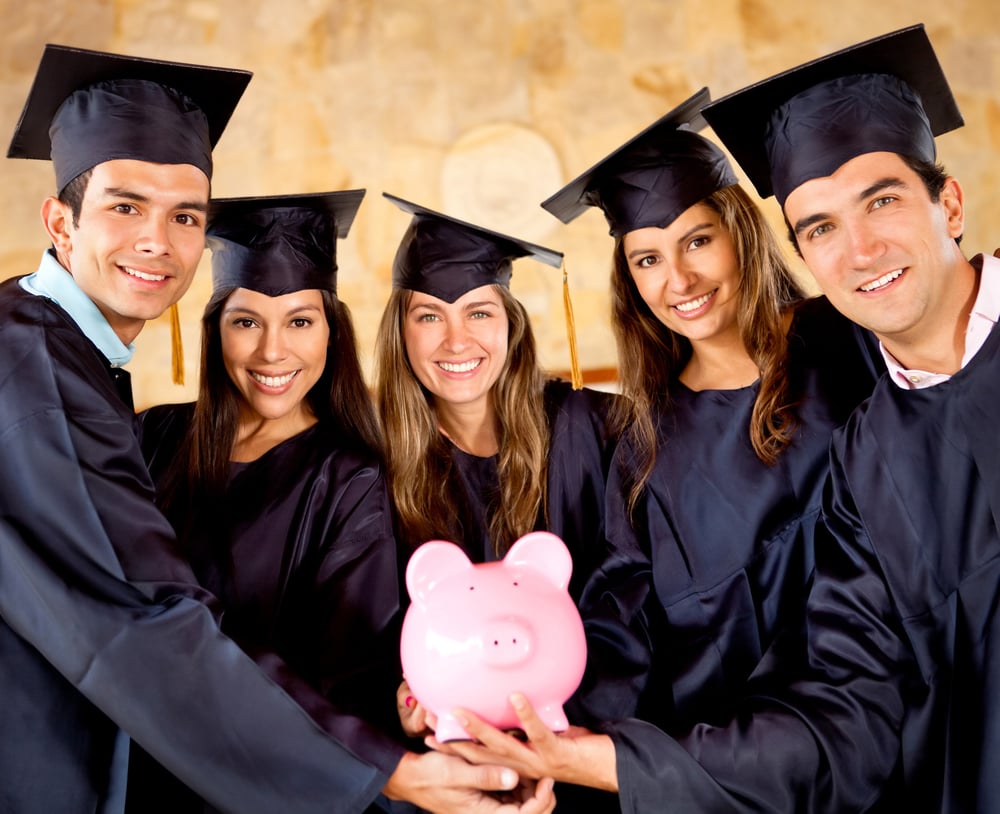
x=53, y=281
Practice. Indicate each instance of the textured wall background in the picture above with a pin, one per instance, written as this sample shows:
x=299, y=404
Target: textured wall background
x=480, y=108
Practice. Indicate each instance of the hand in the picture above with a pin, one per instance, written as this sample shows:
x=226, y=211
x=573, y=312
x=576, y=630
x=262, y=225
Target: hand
x=576, y=756
x=415, y=719
x=447, y=784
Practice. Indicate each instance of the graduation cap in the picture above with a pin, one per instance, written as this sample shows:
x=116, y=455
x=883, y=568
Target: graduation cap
x=446, y=258
x=88, y=107
x=652, y=178
x=887, y=94
x=280, y=243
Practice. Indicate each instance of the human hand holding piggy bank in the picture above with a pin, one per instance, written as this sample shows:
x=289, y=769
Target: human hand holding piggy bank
x=476, y=633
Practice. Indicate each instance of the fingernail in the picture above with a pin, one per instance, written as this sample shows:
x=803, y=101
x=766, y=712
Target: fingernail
x=508, y=777
x=517, y=700
x=410, y=702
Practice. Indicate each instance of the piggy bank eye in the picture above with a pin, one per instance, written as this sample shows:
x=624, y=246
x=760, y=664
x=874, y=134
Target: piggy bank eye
x=472, y=587
x=515, y=583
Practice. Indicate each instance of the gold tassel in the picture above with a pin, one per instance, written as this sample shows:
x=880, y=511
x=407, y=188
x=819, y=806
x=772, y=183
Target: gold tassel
x=176, y=345
x=574, y=361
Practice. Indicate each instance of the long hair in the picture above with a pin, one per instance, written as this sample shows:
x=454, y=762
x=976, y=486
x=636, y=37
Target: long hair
x=339, y=398
x=421, y=476
x=651, y=356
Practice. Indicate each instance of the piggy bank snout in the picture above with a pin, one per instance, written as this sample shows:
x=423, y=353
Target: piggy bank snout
x=507, y=642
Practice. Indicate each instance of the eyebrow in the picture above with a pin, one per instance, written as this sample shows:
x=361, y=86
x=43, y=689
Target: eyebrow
x=129, y=195
x=240, y=309
x=681, y=239
x=889, y=182
x=433, y=306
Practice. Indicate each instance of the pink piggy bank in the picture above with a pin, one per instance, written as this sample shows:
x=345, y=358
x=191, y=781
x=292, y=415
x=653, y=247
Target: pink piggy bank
x=476, y=633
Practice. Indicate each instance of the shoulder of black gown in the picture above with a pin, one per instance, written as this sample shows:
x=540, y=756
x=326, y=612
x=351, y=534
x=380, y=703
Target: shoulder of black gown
x=822, y=330
x=162, y=430
x=46, y=350
x=563, y=403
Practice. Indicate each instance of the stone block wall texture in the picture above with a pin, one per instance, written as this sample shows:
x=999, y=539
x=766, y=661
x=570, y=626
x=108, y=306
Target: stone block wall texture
x=479, y=108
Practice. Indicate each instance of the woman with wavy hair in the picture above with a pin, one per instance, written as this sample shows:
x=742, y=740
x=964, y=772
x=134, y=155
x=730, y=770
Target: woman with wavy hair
x=735, y=381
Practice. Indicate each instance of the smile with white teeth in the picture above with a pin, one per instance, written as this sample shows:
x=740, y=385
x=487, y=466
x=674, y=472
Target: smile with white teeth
x=462, y=367
x=884, y=280
x=274, y=381
x=692, y=305
x=142, y=275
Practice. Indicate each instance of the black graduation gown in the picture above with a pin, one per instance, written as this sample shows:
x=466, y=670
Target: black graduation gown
x=103, y=626
x=580, y=451
x=301, y=554
x=730, y=548
x=916, y=494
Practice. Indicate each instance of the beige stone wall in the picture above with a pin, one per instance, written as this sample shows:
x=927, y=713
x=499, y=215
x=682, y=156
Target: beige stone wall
x=481, y=108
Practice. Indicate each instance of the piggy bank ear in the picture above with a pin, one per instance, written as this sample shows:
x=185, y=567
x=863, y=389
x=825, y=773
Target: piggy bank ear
x=430, y=563
x=545, y=553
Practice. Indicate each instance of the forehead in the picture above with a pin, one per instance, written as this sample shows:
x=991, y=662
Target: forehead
x=482, y=294
x=848, y=184
x=694, y=216
x=248, y=299
x=183, y=181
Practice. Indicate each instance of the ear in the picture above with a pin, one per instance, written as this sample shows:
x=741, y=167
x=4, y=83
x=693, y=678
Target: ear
x=542, y=551
x=57, y=218
x=953, y=200
x=430, y=563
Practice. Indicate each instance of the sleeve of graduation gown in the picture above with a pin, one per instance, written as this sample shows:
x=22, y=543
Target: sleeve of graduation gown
x=88, y=576
x=339, y=617
x=826, y=742
x=609, y=580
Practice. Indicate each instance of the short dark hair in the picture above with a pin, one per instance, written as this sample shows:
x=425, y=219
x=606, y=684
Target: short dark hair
x=931, y=173
x=72, y=194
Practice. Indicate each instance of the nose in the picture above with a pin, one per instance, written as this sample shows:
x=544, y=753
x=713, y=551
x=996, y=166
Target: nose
x=272, y=346
x=456, y=336
x=507, y=642
x=865, y=245
x=679, y=278
x=154, y=238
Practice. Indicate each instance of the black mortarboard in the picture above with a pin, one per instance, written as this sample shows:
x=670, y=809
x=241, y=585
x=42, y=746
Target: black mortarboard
x=445, y=257
x=280, y=243
x=887, y=94
x=88, y=107
x=653, y=177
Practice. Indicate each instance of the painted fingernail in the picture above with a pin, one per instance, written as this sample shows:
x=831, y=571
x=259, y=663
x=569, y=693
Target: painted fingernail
x=410, y=702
